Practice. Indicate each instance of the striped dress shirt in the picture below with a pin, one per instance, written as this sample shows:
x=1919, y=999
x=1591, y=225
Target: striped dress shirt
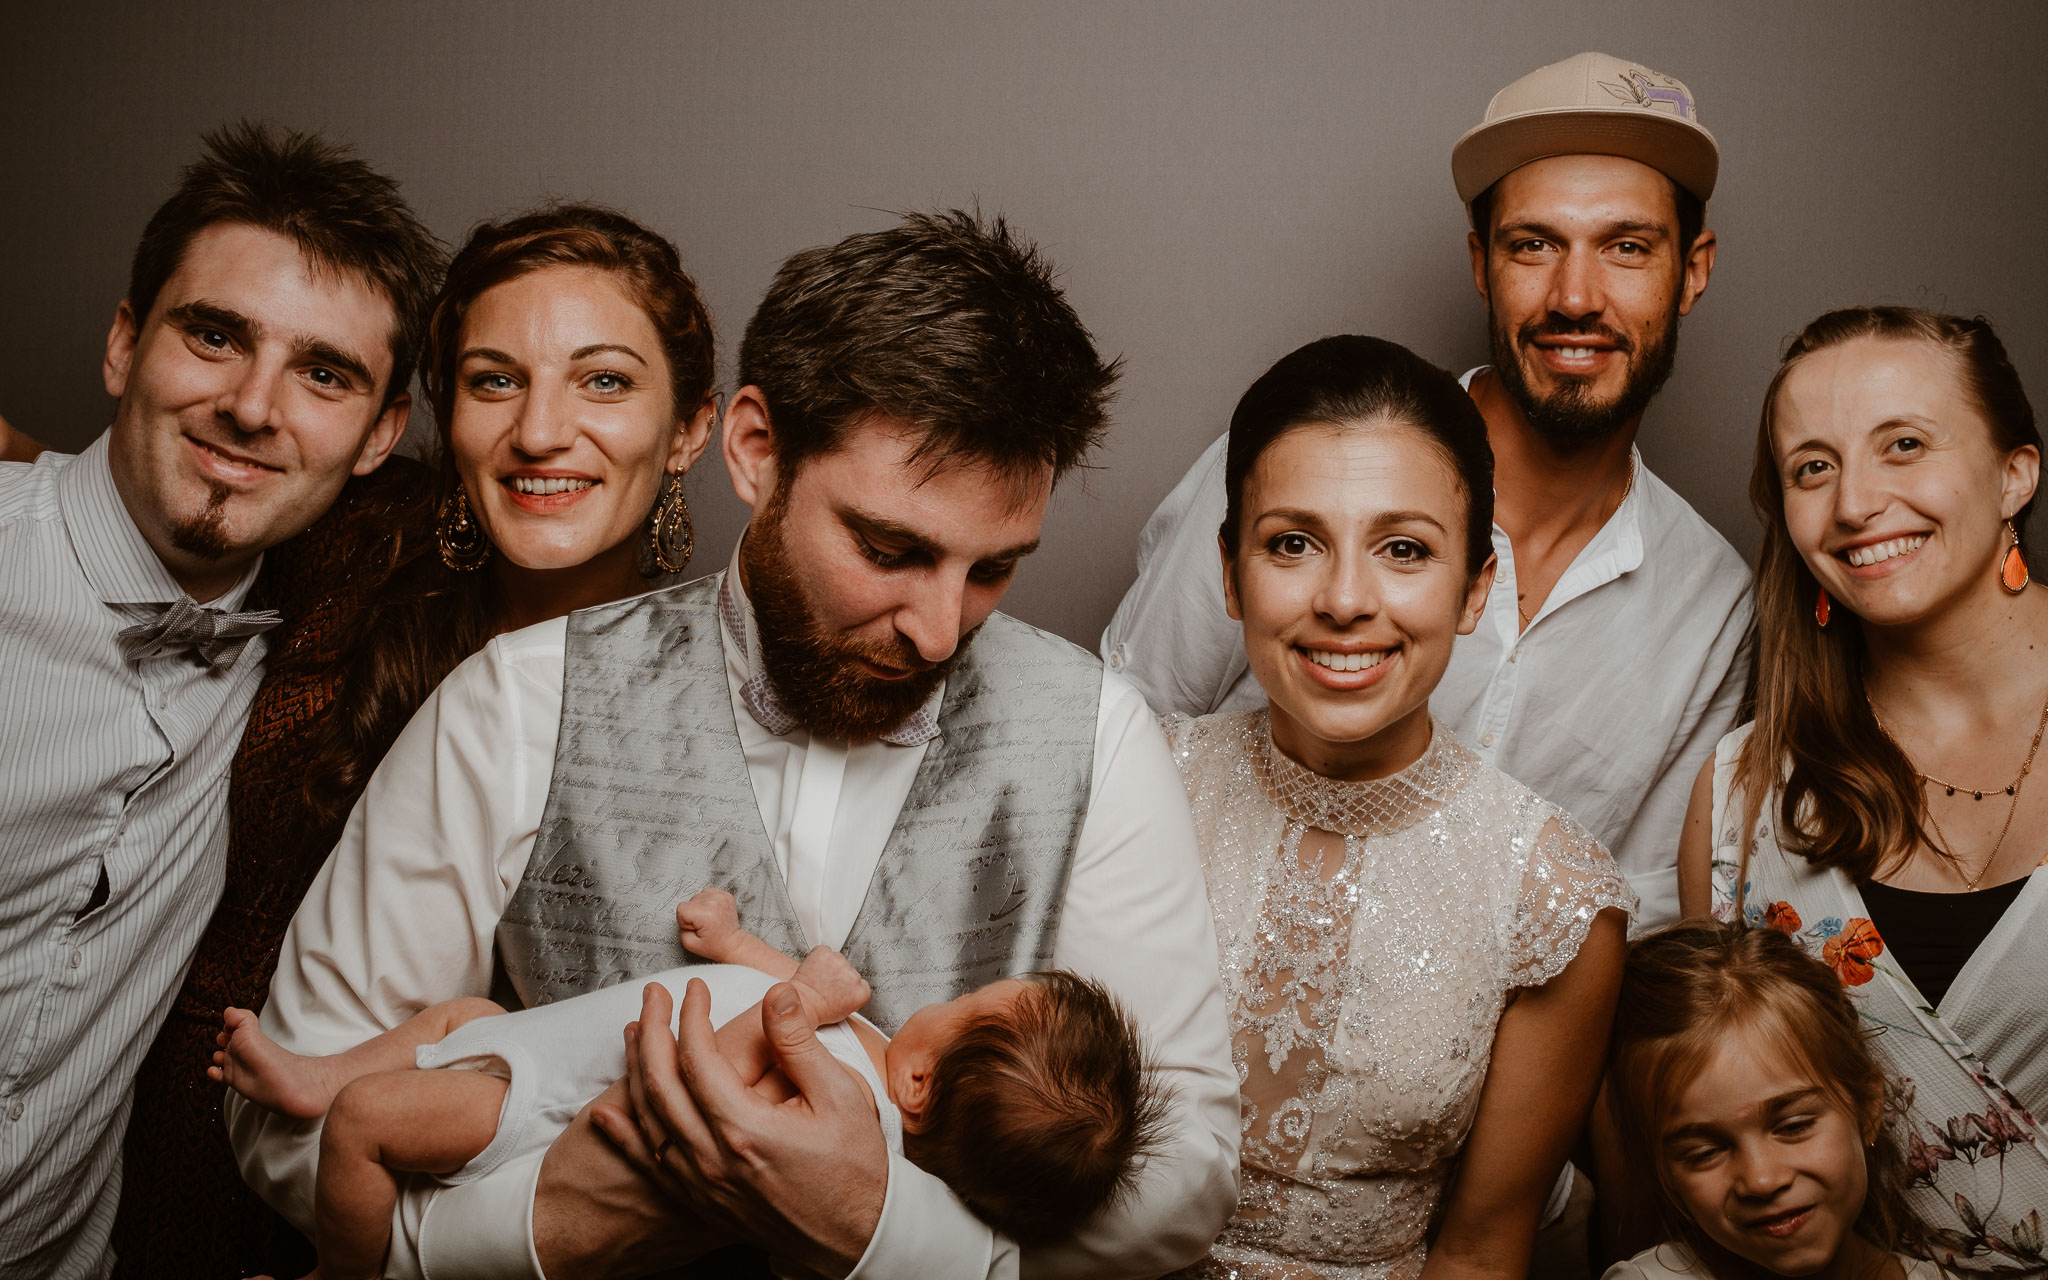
x=113, y=836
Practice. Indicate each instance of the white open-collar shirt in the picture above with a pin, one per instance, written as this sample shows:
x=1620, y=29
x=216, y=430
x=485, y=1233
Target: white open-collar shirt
x=404, y=912
x=1606, y=705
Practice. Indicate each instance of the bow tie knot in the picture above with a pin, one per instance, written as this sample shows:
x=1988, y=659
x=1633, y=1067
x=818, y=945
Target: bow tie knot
x=213, y=636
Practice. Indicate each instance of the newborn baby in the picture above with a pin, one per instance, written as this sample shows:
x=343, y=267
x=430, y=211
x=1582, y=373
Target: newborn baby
x=1030, y=1096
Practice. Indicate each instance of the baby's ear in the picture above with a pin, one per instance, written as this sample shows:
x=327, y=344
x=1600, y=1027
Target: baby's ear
x=911, y=1091
x=920, y=1091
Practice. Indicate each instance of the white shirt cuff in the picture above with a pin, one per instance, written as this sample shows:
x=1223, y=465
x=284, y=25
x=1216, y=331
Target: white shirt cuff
x=925, y=1233
x=483, y=1230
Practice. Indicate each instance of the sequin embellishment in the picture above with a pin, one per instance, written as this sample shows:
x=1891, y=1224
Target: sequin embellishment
x=1370, y=933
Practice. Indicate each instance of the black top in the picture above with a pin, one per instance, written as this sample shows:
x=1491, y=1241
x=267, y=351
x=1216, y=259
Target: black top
x=1932, y=935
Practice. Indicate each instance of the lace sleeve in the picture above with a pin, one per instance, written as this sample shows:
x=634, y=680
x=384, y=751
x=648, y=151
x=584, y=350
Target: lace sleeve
x=1569, y=880
x=1181, y=731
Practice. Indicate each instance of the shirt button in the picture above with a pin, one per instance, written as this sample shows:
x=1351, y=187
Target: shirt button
x=76, y=956
x=1514, y=655
x=1116, y=658
x=1486, y=739
x=14, y=1112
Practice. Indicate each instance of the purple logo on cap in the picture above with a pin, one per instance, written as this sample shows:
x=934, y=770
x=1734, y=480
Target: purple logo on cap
x=1636, y=87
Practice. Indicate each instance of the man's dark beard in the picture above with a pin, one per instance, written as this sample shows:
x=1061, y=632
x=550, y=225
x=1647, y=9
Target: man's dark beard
x=1569, y=419
x=205, y=535
x=813, y=673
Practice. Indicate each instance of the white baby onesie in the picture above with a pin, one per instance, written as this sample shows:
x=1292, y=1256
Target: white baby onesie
x=559, y=1056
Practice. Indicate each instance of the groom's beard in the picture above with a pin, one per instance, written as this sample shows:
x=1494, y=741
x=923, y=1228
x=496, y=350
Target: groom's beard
x=811, y=670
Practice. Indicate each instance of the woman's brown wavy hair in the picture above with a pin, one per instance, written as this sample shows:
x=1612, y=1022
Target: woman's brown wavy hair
x=1685, y=992
x=428, y=618
x=1850, y=797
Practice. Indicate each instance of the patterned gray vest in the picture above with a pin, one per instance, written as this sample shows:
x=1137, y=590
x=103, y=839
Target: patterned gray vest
x=650, y=801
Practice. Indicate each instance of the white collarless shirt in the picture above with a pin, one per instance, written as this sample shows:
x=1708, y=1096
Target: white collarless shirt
x=113, y=843
x=1606, y=705
x=404, y=912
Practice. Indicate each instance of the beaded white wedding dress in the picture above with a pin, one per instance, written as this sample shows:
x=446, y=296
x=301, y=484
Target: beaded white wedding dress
x=1370, y=935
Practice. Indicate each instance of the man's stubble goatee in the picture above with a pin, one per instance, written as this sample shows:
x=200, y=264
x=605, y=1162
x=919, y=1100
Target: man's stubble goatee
x=205, y=534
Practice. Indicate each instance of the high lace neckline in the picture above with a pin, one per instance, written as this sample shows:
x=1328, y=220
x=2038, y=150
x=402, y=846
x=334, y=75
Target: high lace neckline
x=1374, y=807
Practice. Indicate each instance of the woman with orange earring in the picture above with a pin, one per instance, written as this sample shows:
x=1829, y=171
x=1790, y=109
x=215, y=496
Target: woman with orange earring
x=1879, y=810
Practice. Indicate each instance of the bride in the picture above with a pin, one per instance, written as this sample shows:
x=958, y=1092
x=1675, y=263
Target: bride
x=1420, y=957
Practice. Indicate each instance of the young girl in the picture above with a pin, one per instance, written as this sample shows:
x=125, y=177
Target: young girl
x=1749, y=1103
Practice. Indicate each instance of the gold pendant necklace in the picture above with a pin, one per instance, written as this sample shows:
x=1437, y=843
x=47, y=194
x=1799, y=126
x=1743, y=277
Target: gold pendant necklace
x=1946, y=847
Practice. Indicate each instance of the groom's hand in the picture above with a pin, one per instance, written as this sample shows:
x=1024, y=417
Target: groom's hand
x=802, y=1178
x=597, y=1215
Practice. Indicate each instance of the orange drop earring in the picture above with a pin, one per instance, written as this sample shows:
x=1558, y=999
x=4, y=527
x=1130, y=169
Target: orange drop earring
x=1820, y=609
x=2012, y=574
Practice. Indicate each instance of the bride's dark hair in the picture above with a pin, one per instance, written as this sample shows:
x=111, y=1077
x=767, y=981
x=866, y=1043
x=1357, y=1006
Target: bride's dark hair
x=1351, y=379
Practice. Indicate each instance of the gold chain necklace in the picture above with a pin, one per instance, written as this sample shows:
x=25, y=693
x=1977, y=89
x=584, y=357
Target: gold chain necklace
x=1947, y=847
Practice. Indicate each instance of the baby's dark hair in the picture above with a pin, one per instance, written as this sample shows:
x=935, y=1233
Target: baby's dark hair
x=1041, y=1117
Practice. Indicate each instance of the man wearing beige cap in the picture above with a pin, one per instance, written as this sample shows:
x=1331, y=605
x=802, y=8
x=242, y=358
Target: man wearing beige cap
x=1610, y=657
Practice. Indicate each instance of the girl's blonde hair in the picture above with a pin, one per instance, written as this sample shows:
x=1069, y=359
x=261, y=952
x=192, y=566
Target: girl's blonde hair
x=1684, y=991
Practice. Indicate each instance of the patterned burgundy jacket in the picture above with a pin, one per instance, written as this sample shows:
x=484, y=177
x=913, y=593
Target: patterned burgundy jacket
x=184, y=1209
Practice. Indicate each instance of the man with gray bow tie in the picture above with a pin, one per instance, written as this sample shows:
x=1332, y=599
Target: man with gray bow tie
x=260, y=358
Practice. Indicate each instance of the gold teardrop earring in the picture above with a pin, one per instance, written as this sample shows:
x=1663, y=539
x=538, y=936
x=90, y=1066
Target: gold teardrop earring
x=673, y=537
x=2012, y=574
x=464, y=547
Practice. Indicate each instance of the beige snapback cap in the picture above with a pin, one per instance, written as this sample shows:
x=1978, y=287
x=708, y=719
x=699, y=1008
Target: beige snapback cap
x=1589, y=104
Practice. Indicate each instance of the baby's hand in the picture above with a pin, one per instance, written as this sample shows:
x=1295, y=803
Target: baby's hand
x=708, y=923
x=842, y=990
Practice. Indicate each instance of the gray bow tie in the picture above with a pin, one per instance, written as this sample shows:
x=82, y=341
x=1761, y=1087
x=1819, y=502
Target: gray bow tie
x=214, y=636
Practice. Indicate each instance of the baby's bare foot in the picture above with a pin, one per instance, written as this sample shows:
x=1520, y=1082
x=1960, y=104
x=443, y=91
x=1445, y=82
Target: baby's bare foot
x=267, y=1073
x=837, y=983
x=708, y=923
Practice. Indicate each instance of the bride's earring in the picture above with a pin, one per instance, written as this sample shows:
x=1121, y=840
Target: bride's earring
x=1820, y=609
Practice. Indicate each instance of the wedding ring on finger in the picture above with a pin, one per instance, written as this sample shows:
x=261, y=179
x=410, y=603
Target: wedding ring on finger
x=662, y=1150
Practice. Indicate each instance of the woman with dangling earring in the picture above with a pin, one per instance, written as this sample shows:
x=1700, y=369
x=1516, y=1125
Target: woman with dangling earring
x=1881, y=810
x=569, y=363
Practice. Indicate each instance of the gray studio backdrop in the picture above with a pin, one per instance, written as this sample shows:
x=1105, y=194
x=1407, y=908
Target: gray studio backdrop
x=1218, y=183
